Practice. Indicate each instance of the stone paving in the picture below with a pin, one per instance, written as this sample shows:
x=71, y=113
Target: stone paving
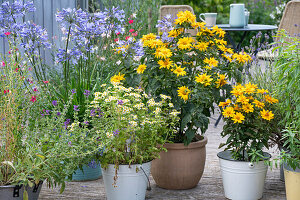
x=209, y=187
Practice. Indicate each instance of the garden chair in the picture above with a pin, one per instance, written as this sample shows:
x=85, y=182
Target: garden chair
x=290, y=22
x=173, y=10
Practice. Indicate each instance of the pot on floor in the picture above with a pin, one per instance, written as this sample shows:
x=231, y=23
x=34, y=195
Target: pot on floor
x=181, y=167
x=242, y=180
x=131, y=183
x=292, y=183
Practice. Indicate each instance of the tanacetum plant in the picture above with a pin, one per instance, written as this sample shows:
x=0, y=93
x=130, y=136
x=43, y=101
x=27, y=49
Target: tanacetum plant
x=131, y=125
x=192, y=69
x=249, y=117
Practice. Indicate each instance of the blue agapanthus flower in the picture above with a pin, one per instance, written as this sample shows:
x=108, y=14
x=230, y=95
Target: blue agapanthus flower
x=10, y=12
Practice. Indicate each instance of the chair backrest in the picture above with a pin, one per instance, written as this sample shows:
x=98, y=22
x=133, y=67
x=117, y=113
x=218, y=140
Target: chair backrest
x=290, y=20
x=173, y=10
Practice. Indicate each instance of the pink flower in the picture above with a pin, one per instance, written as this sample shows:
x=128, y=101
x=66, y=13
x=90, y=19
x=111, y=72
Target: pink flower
x=17, y=69
x=7, y=33
x=9, y=52
x=118, y=33
x=127, y=37
x=3, y=64
x=6, y=91
x=131, y=30
x=134, y=34
x=130, y=21
x=35, y=90
x=117, y=39
x=46, y=82
x=33, y=99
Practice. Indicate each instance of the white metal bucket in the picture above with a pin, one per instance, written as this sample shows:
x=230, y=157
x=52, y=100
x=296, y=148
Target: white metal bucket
x=242, y=180
x=131, y=183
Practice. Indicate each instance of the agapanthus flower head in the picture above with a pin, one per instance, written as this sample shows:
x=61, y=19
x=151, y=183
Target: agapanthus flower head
x=33, y=37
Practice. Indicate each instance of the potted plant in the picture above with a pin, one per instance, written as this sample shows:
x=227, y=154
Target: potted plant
x=19, y=163
x=291, y=161
x=37, y=145
x=287, y=89
x=248, y=126
x=190, y=69
x=132, y=128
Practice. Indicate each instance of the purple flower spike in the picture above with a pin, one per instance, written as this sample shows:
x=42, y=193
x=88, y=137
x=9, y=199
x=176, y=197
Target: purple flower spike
x=76, y=108
x=93, y=113
x=67, y=122
x=116, y=132
x=58, y=114
x=87, y=93
x=47, y=112
x=120, y=102
x=73, y=91
x=54, y=103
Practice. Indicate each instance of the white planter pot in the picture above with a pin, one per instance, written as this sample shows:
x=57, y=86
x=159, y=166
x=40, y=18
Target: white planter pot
x=131, y=183
x=242, y=180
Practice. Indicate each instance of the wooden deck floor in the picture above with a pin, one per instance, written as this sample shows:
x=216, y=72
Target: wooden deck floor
x=209, y=187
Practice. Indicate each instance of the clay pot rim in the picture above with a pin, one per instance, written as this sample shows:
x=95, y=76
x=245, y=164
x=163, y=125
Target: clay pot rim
x=192, y=145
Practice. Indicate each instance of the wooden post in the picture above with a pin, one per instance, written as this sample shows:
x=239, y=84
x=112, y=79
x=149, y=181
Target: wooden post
x=149, y=19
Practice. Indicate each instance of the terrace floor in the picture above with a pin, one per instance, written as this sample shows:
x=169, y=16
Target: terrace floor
x=209, y=187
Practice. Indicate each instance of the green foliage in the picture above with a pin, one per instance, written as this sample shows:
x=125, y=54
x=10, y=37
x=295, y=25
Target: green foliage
x=16, y=108
x=132, y=126
x=36, y=145
x=291, y=157
x=287, y=73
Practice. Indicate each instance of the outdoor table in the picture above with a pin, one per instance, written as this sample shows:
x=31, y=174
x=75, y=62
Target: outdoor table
x=246, y=30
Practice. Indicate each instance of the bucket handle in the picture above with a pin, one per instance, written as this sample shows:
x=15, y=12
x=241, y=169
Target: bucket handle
x=16, y=192
x=36, y=187
x=149, y=186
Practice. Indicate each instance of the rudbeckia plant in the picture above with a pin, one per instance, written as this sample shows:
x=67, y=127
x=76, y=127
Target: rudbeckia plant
x=248, y=122
x=192, y=69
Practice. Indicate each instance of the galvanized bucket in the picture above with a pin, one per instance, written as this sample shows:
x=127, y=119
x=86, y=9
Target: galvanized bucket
x=242, y=180
x=131, y=183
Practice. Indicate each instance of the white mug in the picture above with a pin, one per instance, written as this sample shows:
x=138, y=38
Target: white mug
x=209, y=18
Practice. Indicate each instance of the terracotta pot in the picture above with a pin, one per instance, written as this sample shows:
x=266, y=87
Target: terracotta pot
x=181, y=167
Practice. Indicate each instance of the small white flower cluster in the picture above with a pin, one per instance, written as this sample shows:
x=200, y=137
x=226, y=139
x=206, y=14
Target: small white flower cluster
x=139, y=106
x=133, y=123
x=73, y=126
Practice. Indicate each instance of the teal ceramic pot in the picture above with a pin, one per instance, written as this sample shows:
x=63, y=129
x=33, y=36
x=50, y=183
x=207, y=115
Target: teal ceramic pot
x=88, y=173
